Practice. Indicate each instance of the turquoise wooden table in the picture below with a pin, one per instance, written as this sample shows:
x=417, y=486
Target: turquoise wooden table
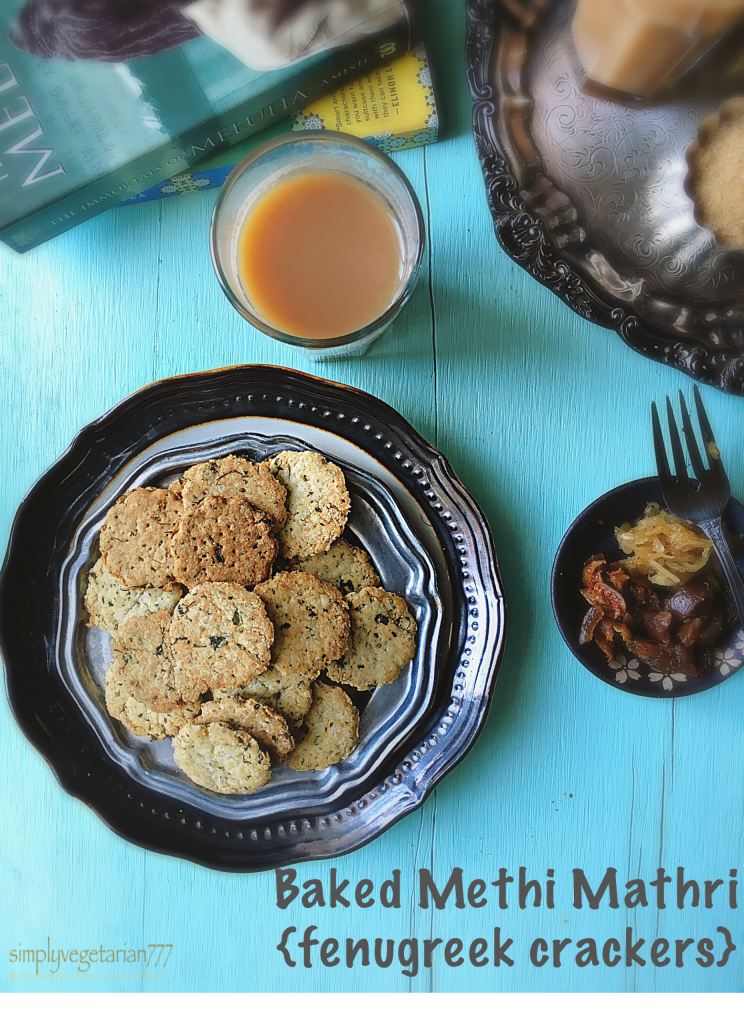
x=539, y=413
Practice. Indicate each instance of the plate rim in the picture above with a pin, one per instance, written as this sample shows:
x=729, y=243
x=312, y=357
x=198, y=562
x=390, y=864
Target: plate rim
x=525, y=237
x=416, y=774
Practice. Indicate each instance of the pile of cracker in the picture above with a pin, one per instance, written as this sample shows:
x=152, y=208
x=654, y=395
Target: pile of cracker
x=244, y=667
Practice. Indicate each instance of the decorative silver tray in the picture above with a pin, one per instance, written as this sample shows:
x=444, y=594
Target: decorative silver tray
x=587, y=188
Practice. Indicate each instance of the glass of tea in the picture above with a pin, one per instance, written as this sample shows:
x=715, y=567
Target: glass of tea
x=317, y=239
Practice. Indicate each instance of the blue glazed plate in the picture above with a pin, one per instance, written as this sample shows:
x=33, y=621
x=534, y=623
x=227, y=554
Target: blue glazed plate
x=429, y=542
x=593, y=532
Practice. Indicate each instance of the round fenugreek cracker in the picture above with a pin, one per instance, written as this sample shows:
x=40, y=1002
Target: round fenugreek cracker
x=317, y=499
x=221, y=759
x=254, y=481
x=220, y=636
x=265, y=725
x=347, y=567
x=330, y=731
x=223, y=540
x=142, y=664
x=123, y=705
x=110, y=603
x=382, y=641
x=290, y=695
x=311, y=622
x=135, y=536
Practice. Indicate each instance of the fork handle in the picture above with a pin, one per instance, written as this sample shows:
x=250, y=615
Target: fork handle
x=713, y=529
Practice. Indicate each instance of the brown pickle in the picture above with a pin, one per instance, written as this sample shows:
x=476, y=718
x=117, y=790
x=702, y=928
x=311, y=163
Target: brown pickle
x=671, y=629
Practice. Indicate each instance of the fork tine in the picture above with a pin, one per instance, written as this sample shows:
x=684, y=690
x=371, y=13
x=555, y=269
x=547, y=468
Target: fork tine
x=711, y=448
x=680, y=467
x=662, y=465
x=697, y=463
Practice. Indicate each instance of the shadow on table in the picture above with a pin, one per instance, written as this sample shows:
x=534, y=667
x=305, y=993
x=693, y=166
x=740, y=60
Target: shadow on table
x=482, y=332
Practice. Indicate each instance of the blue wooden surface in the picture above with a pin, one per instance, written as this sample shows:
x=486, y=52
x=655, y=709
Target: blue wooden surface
x=539, y=412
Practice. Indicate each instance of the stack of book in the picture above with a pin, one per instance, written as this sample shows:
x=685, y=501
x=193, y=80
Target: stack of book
x=103, y=103
x=392, y=106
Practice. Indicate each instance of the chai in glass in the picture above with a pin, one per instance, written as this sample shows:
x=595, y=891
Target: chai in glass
x=319, y=255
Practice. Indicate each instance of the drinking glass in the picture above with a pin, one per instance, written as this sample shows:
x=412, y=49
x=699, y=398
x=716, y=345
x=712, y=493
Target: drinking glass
x=312, y=151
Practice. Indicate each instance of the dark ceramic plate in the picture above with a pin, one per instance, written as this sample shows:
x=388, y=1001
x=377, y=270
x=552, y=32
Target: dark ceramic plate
x=425, y=534
x=587, y=190
x=593, y=533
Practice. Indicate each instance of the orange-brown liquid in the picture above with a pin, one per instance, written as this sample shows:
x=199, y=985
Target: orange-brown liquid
x=319, y=256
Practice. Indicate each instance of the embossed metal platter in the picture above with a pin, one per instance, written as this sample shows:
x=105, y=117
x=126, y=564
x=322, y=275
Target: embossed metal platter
x=429, y=542
x=587, y=188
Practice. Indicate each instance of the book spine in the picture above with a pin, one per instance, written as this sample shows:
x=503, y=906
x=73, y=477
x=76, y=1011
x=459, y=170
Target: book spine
x=218, y=133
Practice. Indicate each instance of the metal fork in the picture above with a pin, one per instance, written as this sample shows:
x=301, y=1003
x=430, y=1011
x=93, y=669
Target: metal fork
x=703, y=505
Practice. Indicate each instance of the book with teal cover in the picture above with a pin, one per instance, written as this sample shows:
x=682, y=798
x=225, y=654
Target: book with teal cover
x=101, y=98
